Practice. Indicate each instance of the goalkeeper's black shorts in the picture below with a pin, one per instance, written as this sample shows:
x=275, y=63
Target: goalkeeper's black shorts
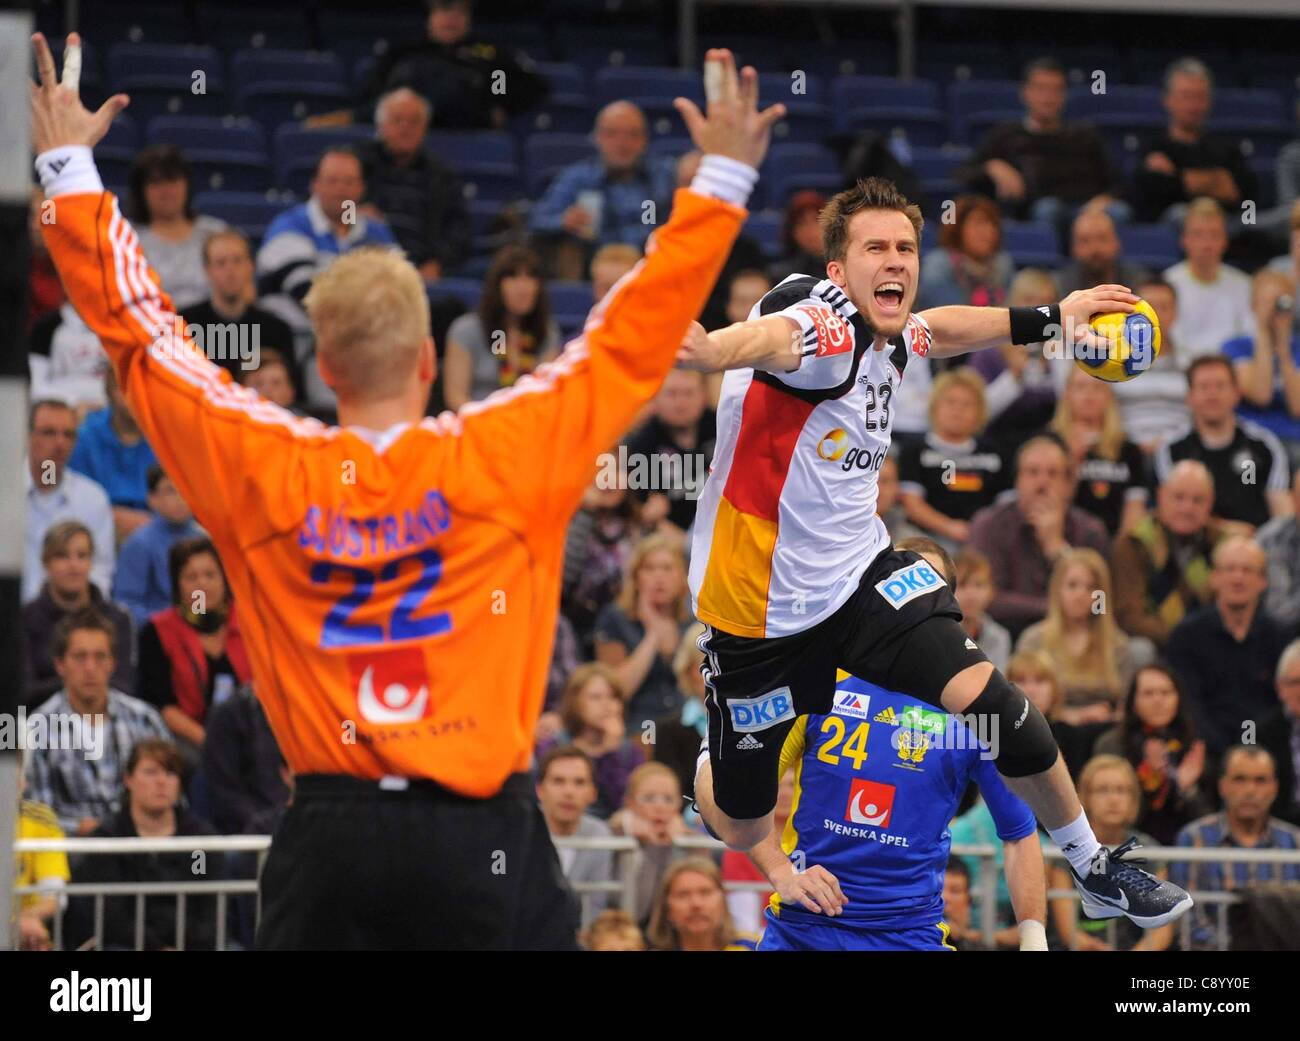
x=357, y=866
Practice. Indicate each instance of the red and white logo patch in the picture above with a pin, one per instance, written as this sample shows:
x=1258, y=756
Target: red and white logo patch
x=920, y=336
x=391, y=686
x=832, y=331
x=870, y=802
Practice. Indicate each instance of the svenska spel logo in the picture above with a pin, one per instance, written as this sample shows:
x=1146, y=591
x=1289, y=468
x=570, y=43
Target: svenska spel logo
x=392, y=687
x=870, y=802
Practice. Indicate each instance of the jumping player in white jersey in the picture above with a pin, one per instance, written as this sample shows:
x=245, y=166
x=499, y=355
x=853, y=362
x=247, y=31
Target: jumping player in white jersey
x=792, y=571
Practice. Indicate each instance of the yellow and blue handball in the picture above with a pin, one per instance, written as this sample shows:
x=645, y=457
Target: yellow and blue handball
x=1124, y=345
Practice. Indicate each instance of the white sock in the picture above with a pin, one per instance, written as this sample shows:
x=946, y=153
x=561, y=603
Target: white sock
x=1077, y=842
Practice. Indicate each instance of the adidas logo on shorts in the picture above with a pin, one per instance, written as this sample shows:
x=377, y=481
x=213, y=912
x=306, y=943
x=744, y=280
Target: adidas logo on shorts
x=748, y=743
x=971, y=645
x=886, y=716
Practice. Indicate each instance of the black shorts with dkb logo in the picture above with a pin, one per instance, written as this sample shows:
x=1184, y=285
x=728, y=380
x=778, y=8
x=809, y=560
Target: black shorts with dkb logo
x=901, y=629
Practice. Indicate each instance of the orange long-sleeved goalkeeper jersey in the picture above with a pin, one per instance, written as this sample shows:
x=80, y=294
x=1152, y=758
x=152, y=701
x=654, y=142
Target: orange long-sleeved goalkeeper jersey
x=397, y=594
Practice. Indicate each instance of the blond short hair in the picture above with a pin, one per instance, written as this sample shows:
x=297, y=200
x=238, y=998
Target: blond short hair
x=616, y=253
x=967, y=379
x=1204, y=206
x=370, y=315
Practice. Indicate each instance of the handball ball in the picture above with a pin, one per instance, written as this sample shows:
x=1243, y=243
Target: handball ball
x=1125, y=347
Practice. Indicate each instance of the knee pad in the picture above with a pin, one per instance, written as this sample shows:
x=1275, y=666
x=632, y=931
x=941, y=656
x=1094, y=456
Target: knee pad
x=1024, y=741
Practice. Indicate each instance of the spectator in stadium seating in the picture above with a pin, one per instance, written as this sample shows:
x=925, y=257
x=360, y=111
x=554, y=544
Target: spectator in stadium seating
x=1248, y=788
x=974, y=592
x=1162, y=566
x=1214, y=303
x=510, y=334
x=608, y=265
x=275, y=379
x=1109, y=469
x=1024, y=535
x=1095, y=255
x=417, y=194
x=597, y=547
x=1155, y=736
x=306, y=238
x=1266, y=364
x=677, y=736
x=1154, y=409
x=1021, y=383
x=651, y=814
x=141, y=582
x=48, y=871
x=618, y=195
x=970, y=266
x=45, y=293
x=111, y=451
x=66, y=360
x=746, y=256
x=1248, y=463
x=675, y=447
x=83, y=790
x=55, y=493
x=192, y=654
x=470, y=82
x=613, y=931
x=1225, y=655
x=1043, y=168
x=566, y=788
x=690, y=911
x=592, y=721
x=888, y=508
x=229, y=325
x=637, y=635
x=957, y=908
x=1036, y=673
x=1185, y=162
x=243, y=765
x=1280, y=540
x=801, y=239
x=1280, y=734
x=1289, y=262
x=160, y=205
x=1112, y=799
x=1094, y=659
x=67, y=553
x=950, y=475
x=151, y=810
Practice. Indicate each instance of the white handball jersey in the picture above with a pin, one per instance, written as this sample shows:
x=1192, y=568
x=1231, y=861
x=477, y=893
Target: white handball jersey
x=786, y=523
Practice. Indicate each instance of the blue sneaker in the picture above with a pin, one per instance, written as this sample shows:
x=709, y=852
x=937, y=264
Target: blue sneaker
x=1115, y=887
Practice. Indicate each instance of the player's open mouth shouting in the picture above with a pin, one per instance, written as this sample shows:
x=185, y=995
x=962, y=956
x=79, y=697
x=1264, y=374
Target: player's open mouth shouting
x=889, y=298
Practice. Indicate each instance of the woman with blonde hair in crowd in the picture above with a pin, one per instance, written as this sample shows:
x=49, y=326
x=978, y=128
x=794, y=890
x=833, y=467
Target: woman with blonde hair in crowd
x=1035, y=673
x=651, y=814
x=638, y=634
x=952, y=472
x=1094, y=660
x=591, y=718
x=690, y=911
x=1110, y=469
x=613, y=931
x=1112, y=799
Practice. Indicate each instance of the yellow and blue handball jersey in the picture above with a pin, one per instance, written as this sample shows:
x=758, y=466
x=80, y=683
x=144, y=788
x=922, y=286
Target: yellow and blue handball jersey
x=876, y=783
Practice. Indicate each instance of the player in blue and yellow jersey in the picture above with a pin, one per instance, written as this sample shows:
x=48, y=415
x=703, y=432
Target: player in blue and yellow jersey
x=876, y=782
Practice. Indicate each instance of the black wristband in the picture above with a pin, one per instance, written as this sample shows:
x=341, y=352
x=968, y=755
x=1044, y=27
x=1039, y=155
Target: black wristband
x=1035, y=324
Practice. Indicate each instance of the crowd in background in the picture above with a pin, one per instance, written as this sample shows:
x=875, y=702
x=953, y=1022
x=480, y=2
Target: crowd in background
x=1128, y=554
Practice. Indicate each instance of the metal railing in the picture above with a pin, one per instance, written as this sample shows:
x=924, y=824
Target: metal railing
x=627, y=864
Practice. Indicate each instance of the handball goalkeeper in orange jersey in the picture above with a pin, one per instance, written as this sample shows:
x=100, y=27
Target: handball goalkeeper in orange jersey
x=398, y=577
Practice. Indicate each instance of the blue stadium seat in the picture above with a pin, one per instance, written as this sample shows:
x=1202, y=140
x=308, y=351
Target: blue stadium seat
x=938, y=162
x=1154, y=246
x=297, y=149
x=136, y=22
x=642, y=84
x=146, y=64
x=226, y=153
x=891, y=95
x=978, y=104
x=459, y=148
x=1119, y=100
x=231, y=29
x=547, y=154
x=482, y=214
x=1031, y=244
x=967, y=60
x=929, y=129
x=278, y=103
x=1265, y=170
x=784, y=184
x=974, y=126
x=764, y=227
x=673, y=147
x=807, y=129
x=565, y=78
x=569, y=298
x=495, y=181
x=250, y=212
x=780, y=86
x=121, y=142
x=557, y=115
x=466, y=290
x=256, y=65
